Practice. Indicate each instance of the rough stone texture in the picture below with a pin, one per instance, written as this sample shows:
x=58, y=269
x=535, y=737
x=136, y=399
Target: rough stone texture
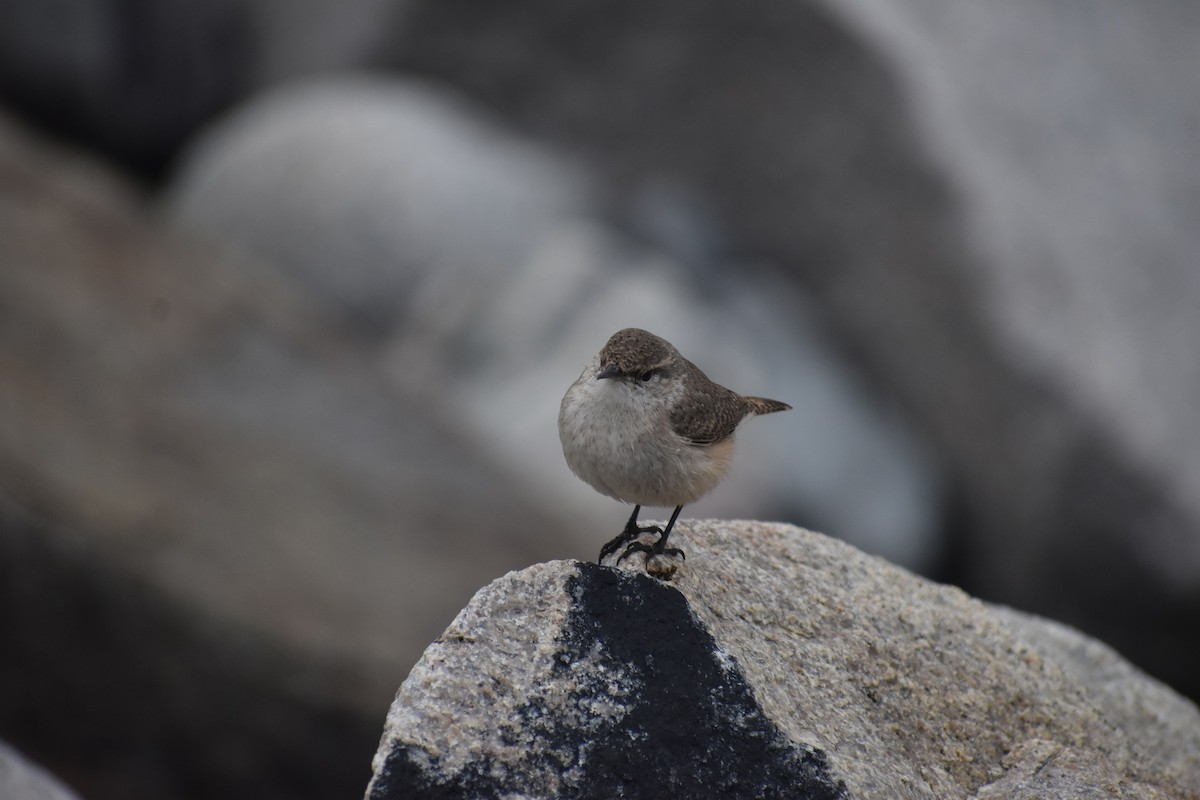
x=1130, y=701
x=20, y=780
x=788, y=663
x=211, y=496
x=989, y=203
x=592, y=707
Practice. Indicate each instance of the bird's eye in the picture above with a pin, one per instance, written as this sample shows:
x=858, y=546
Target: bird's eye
x=648, y=374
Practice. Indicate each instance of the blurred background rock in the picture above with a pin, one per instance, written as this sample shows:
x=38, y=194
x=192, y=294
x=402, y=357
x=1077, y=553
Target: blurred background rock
x=289, y=293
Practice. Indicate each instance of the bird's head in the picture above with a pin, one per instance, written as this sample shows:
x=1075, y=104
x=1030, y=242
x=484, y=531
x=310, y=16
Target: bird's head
x=637, y=356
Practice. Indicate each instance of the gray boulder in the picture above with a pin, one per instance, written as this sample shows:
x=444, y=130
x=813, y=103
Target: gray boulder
x=774, y=663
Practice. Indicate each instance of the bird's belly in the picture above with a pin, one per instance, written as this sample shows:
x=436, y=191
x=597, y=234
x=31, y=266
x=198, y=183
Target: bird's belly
x=636, y=460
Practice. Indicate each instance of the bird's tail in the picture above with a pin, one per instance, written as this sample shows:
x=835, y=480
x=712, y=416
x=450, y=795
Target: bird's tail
x=761, y=405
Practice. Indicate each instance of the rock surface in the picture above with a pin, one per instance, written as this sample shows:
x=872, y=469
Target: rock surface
x=775, y=663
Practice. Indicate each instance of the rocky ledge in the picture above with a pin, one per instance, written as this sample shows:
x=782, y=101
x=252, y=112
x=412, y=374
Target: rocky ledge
x=775, y=663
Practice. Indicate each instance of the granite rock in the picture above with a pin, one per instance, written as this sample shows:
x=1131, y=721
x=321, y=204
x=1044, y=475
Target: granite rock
x=774, y=663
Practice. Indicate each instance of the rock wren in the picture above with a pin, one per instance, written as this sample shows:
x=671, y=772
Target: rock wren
x=644, y=425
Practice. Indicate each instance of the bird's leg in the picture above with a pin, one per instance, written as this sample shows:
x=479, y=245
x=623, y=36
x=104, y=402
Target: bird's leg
x=631, y=532
x=659, y=547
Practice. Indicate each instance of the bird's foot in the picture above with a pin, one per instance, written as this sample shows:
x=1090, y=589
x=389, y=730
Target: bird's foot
x=630, y=533
x=651, y=550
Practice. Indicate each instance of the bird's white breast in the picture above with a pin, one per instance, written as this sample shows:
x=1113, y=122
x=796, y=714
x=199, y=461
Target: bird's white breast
x=617, y=437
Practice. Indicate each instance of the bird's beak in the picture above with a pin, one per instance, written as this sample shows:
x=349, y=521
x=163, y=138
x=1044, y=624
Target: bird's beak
x=610, y=371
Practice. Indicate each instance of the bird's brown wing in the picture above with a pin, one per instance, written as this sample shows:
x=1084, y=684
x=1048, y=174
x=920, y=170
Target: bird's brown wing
x=709, y=413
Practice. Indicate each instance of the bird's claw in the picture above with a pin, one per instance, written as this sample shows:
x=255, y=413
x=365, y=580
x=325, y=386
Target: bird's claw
x=625, y=537
x=651, y=550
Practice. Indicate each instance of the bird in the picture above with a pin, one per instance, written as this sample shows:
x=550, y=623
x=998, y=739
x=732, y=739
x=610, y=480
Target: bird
x=644, y=425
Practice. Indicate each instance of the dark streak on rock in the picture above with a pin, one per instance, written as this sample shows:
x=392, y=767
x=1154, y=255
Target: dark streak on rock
x=692, y=729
